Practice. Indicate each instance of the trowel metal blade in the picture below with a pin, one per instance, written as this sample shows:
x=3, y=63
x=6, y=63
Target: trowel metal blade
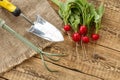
x=45, y=30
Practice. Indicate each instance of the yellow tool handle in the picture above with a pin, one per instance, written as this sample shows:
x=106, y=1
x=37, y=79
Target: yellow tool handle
x=10, y=7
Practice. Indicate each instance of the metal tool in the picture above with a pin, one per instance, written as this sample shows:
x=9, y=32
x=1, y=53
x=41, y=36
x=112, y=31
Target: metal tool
x=40, y=27
x=32, y=46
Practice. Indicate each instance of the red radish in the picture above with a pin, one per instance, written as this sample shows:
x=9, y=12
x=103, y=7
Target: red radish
x=85, y=39
x=67, y=28
x=76, y=37
x=83, y=30
x=95, y=36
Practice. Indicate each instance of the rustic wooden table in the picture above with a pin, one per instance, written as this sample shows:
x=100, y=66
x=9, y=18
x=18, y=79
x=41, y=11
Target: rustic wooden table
x=104, y=64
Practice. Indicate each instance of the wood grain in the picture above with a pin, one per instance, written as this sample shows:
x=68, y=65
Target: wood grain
x=2, y=79
x=103, y=58
x=33, y=69
x=110, y=31
x=103, y=62
x=13, y=51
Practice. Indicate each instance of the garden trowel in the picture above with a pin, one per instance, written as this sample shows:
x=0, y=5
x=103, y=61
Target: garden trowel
x=40, y=27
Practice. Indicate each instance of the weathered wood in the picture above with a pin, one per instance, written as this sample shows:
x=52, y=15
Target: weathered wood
x=33, y=69
x=13, y=51
x=110, y=31
x=2, y=79
x=103, y=62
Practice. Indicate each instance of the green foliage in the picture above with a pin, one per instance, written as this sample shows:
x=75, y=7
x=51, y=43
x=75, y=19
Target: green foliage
x=80, y=12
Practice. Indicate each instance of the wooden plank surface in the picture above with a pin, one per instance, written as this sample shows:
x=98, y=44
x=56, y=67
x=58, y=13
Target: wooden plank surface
x=110, y=31
x=104, y=62
x=103, y=59
x=33, y=69
x=13, y=51
x=2, y=79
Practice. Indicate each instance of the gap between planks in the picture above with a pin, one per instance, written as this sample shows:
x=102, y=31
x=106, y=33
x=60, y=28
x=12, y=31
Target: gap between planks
x=106, y=55
x=76, y=70
x=33, y=69
x=2, y=78
x=111, y=22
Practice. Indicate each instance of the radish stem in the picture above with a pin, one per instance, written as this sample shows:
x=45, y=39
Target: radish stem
x=84, y=51
x=77, y=48
x=69, y=36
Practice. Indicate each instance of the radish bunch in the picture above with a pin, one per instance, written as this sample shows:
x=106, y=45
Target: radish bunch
x=81, y=18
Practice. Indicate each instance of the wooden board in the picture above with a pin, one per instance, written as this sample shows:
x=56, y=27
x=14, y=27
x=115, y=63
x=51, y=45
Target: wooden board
x=13, y=51
x=104, y=62
x=110, y=31
x=34, y=70
x=101, y=64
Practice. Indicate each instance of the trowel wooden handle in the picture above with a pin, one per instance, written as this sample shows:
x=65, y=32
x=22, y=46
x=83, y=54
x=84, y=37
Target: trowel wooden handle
x=10, y=7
